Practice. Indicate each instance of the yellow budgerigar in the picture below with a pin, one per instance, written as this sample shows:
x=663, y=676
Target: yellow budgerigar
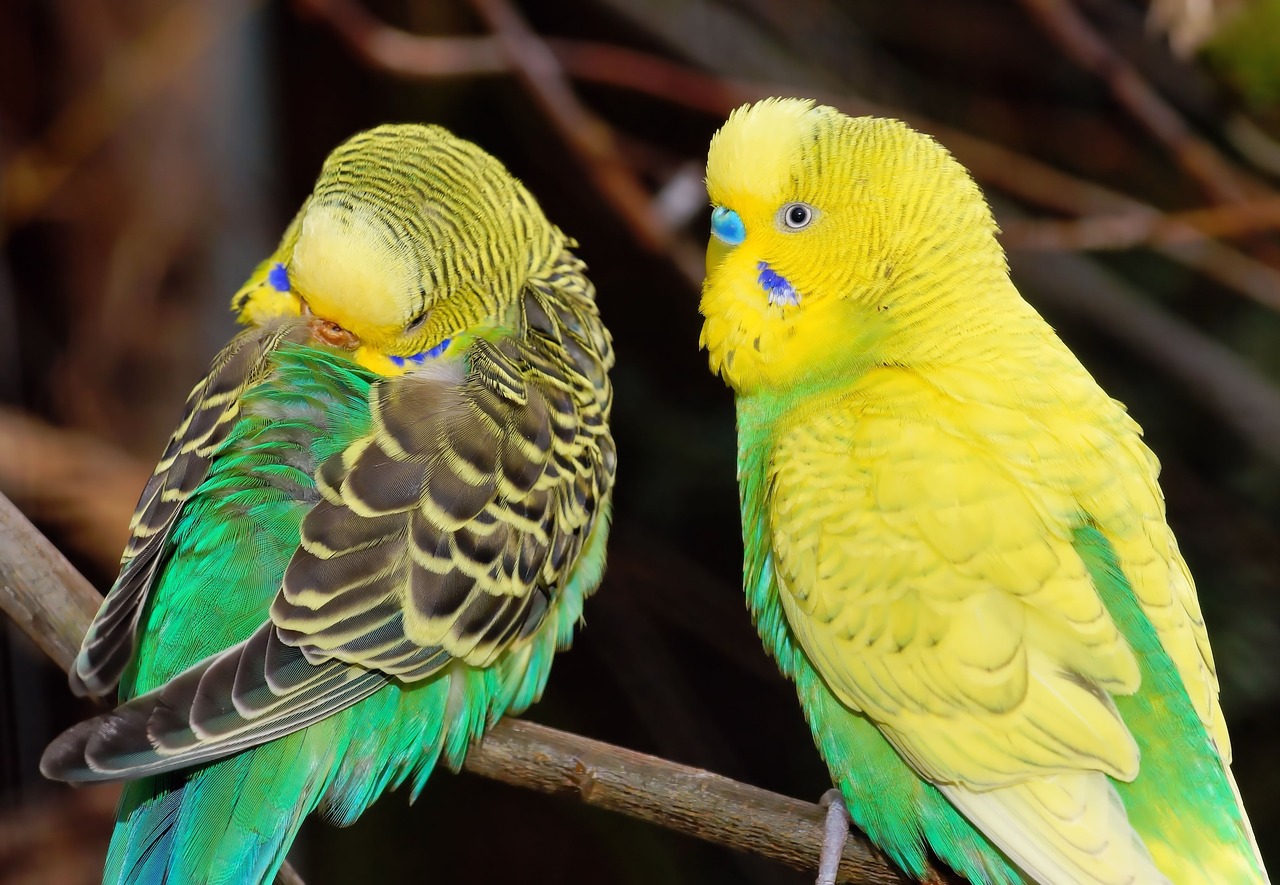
x=955, y=542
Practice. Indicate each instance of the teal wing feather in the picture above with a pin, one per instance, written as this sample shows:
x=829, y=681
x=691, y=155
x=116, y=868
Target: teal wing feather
x=229, y=545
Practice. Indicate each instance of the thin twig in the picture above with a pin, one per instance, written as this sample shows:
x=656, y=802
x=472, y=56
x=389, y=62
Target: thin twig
x=1202, y=367
x=1124, y=231
x=1040, y=184
x=52, y=603
x=589, y=136
x=1073, y=32
x=411, y=55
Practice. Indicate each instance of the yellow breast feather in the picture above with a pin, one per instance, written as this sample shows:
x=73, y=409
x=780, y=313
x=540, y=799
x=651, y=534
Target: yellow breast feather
x=925, y=558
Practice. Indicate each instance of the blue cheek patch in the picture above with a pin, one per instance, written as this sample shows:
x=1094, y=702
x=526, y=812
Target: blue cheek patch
x=278, y=277
x=437, y=350
x=420, y=358
x=727, y=226
x=780, y=290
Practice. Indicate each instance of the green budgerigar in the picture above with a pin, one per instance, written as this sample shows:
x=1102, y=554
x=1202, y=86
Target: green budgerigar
x=374, y=527
x=955, y=542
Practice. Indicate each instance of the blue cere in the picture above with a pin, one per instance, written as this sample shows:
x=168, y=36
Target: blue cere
x=278, y=277
x=779, y=289
x=425, y=355
x=727, y=226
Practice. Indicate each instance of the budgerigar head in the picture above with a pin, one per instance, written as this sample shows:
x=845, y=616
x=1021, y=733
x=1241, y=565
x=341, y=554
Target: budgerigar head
x=410, y=237
x=829, y=235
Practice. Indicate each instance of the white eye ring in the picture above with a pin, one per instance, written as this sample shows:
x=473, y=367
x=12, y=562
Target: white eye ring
x=796, y=216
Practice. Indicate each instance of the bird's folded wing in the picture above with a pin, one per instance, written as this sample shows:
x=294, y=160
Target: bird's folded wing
x=212, y=410
x=939, y=593
x=440, y=536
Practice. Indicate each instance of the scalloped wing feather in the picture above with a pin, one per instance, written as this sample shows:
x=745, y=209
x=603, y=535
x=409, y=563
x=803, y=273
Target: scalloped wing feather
x=441, y=535
x=253, y=692
x=1063, y=828
x=212, y=410
x=925, y=583
x=446, y=526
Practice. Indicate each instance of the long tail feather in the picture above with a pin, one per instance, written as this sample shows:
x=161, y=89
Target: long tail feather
x=229, y=822
x=253, y=692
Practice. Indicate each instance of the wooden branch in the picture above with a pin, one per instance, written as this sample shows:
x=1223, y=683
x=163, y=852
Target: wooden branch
x=40, y=590
x=52, y=603
x=678, y=797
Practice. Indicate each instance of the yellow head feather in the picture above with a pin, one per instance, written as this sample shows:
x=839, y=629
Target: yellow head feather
x=411, y=236
x=894, y=219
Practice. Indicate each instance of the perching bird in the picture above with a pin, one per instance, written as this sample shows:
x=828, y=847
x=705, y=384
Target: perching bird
x=374, y=527
x=955, y=544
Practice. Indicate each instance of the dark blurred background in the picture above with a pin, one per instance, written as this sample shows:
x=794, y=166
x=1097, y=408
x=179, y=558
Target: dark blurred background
x=151, y=152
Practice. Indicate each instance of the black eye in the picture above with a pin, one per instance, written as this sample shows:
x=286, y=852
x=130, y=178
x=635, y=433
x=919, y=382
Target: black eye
x=416, y=323
x=797, y=216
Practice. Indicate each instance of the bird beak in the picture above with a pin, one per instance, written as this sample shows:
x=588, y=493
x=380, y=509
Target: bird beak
x=329, y=332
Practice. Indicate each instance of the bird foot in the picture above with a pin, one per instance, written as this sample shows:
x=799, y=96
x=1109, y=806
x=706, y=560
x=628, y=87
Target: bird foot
x=834, y=832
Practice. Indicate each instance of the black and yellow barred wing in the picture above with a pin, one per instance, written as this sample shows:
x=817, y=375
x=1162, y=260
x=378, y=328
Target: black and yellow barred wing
x=441, y=535
x=447, y=528
x=212, y=410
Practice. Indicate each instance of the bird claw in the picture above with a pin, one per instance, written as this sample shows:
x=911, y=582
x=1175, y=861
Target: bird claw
x=834, y=832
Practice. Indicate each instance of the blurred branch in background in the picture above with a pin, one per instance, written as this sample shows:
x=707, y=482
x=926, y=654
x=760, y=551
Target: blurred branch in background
x=1203, y=368
x=49, y=601
x=1217, y=176
x=540, y=65
x=1243, y=398
x=589, y=137
x=404, y=54
x=152, y=63
x=1125, y=231
x=47, y=472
